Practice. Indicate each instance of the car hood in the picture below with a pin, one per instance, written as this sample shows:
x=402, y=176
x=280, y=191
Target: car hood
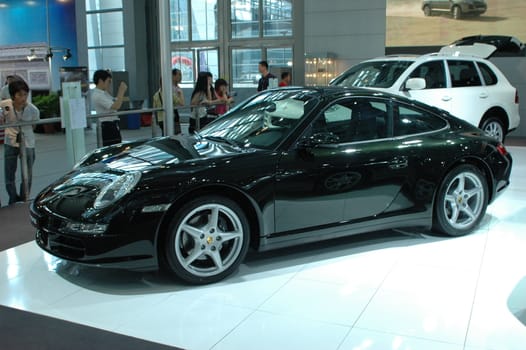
x=168, y=151
x=89, y=189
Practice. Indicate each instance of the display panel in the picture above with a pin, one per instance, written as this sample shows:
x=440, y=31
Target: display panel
x=433, y=22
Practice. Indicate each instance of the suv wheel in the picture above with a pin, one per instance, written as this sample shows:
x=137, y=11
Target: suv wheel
x=493, y=127
x=456, y=12
x=427, y=11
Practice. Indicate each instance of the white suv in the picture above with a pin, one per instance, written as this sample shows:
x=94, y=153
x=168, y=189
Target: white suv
x=468, y=86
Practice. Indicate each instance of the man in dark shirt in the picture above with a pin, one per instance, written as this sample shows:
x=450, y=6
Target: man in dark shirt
x=265, y=76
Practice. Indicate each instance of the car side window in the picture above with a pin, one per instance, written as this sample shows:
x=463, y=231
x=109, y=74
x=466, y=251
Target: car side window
x=433, y=72
x=487, y=74
x=463, y=73
x=409, y=120
x=352, y=120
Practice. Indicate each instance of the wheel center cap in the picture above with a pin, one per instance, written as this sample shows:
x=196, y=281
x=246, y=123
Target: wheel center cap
x=209, y=239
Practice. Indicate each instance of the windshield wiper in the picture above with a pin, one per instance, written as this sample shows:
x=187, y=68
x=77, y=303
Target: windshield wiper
x=223, y=140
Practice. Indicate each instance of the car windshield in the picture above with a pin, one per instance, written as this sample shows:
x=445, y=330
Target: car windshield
x=264, y=120
x=378, y=74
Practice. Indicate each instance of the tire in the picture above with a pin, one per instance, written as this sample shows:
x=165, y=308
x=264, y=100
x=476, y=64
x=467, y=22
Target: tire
x=427, y=11
x=493, y=127
x=207, y=240
x=461, y=201
x=456, y=12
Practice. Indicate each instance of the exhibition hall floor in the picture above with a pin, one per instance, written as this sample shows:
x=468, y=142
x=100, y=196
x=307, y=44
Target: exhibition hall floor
x=381, y=291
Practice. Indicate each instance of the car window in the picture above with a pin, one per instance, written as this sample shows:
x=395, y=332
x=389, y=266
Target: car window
x=409, y=120
x=487, y=74
x=463, y=73
x=433, y=72
x=380, y=74
x=356, y=119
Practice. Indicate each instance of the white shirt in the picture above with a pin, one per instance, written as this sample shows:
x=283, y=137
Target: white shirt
x=28, y=113
x=101, y=102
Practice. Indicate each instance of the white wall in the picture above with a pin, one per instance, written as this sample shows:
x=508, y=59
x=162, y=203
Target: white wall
x=514, y=68
x=354, y=30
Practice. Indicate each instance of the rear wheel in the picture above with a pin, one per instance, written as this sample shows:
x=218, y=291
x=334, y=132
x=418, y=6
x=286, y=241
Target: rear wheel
x=427, y=11
x=456, y=12
x=461, y=201
x=207, y=240
x=493, y=127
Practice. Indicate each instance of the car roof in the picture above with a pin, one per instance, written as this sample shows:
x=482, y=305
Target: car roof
x=476, y=52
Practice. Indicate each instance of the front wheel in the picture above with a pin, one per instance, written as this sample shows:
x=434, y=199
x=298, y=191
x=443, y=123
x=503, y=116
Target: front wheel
x=427, y=11
x=461, y=201
x=207, y=240
x=493, y=127
x=456, y=12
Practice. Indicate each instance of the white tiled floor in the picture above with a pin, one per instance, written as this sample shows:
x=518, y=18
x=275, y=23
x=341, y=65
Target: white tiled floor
x=383, y=291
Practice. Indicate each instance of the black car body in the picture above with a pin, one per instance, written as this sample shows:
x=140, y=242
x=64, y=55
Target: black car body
x=285, y=167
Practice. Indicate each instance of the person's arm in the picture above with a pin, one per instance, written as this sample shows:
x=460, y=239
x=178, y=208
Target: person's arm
x=119, y=99
x=196, y=100
x=8, y=111
x=180, y=97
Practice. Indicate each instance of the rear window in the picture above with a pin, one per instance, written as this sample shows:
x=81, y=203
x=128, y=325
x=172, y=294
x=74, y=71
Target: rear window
x=487, y=74
x=379, y=74
x=463, y=73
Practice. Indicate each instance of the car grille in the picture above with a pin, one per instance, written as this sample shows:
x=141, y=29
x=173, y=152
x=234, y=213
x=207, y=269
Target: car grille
x=49, y=237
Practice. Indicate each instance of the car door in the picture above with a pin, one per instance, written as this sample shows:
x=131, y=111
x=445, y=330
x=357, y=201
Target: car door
x=469, y=97
x=436, y=92
x=344, y=178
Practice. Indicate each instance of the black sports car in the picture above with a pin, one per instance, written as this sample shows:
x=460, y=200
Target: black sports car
x=285, y=167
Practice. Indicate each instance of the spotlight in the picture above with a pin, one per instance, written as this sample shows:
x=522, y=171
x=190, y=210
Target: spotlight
x=32, y=55
x=67, y=55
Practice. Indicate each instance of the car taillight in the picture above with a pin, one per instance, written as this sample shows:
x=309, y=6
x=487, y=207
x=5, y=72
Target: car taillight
x=516, y=96
x=502, y=150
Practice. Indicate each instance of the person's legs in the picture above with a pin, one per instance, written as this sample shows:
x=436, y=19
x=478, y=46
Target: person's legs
x=10, y=164
x=110, y=133
x=30, y=159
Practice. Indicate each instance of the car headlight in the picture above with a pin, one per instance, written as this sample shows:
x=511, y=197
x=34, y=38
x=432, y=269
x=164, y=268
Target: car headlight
x=116, y=189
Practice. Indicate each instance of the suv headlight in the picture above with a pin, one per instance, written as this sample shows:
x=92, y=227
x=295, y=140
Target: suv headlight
x=116, y=189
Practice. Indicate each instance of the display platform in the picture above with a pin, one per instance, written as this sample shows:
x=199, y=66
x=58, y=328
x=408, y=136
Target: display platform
x=384, y=290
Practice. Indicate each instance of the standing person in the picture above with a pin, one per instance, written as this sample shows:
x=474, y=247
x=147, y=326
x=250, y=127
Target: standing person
x=265, y=76
x=103, y=102
x=201, y=97
x=224, y=101
x=285, y=79
x=18, y=109
x=178, y=100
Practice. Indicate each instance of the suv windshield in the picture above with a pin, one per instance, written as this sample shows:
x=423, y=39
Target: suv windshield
x=379, y=74
x=264, y=121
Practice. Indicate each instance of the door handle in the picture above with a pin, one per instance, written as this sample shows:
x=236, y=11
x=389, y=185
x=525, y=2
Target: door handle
x=446, y=98
x=483, y=95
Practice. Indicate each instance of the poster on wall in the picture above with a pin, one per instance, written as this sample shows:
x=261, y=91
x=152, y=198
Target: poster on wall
x=440, y=22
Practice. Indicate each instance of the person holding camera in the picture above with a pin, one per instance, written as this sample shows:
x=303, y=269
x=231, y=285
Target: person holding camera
x=102, y=102
x=15, y=110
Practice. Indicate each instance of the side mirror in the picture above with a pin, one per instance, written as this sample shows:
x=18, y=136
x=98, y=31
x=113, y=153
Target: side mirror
x=415, y=84
x=319, y=139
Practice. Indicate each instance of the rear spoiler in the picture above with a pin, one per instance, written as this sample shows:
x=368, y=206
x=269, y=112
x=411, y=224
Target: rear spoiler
x=477, y=49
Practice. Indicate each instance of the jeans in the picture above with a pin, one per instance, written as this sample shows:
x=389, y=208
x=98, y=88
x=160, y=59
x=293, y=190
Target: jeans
x=11, y=155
